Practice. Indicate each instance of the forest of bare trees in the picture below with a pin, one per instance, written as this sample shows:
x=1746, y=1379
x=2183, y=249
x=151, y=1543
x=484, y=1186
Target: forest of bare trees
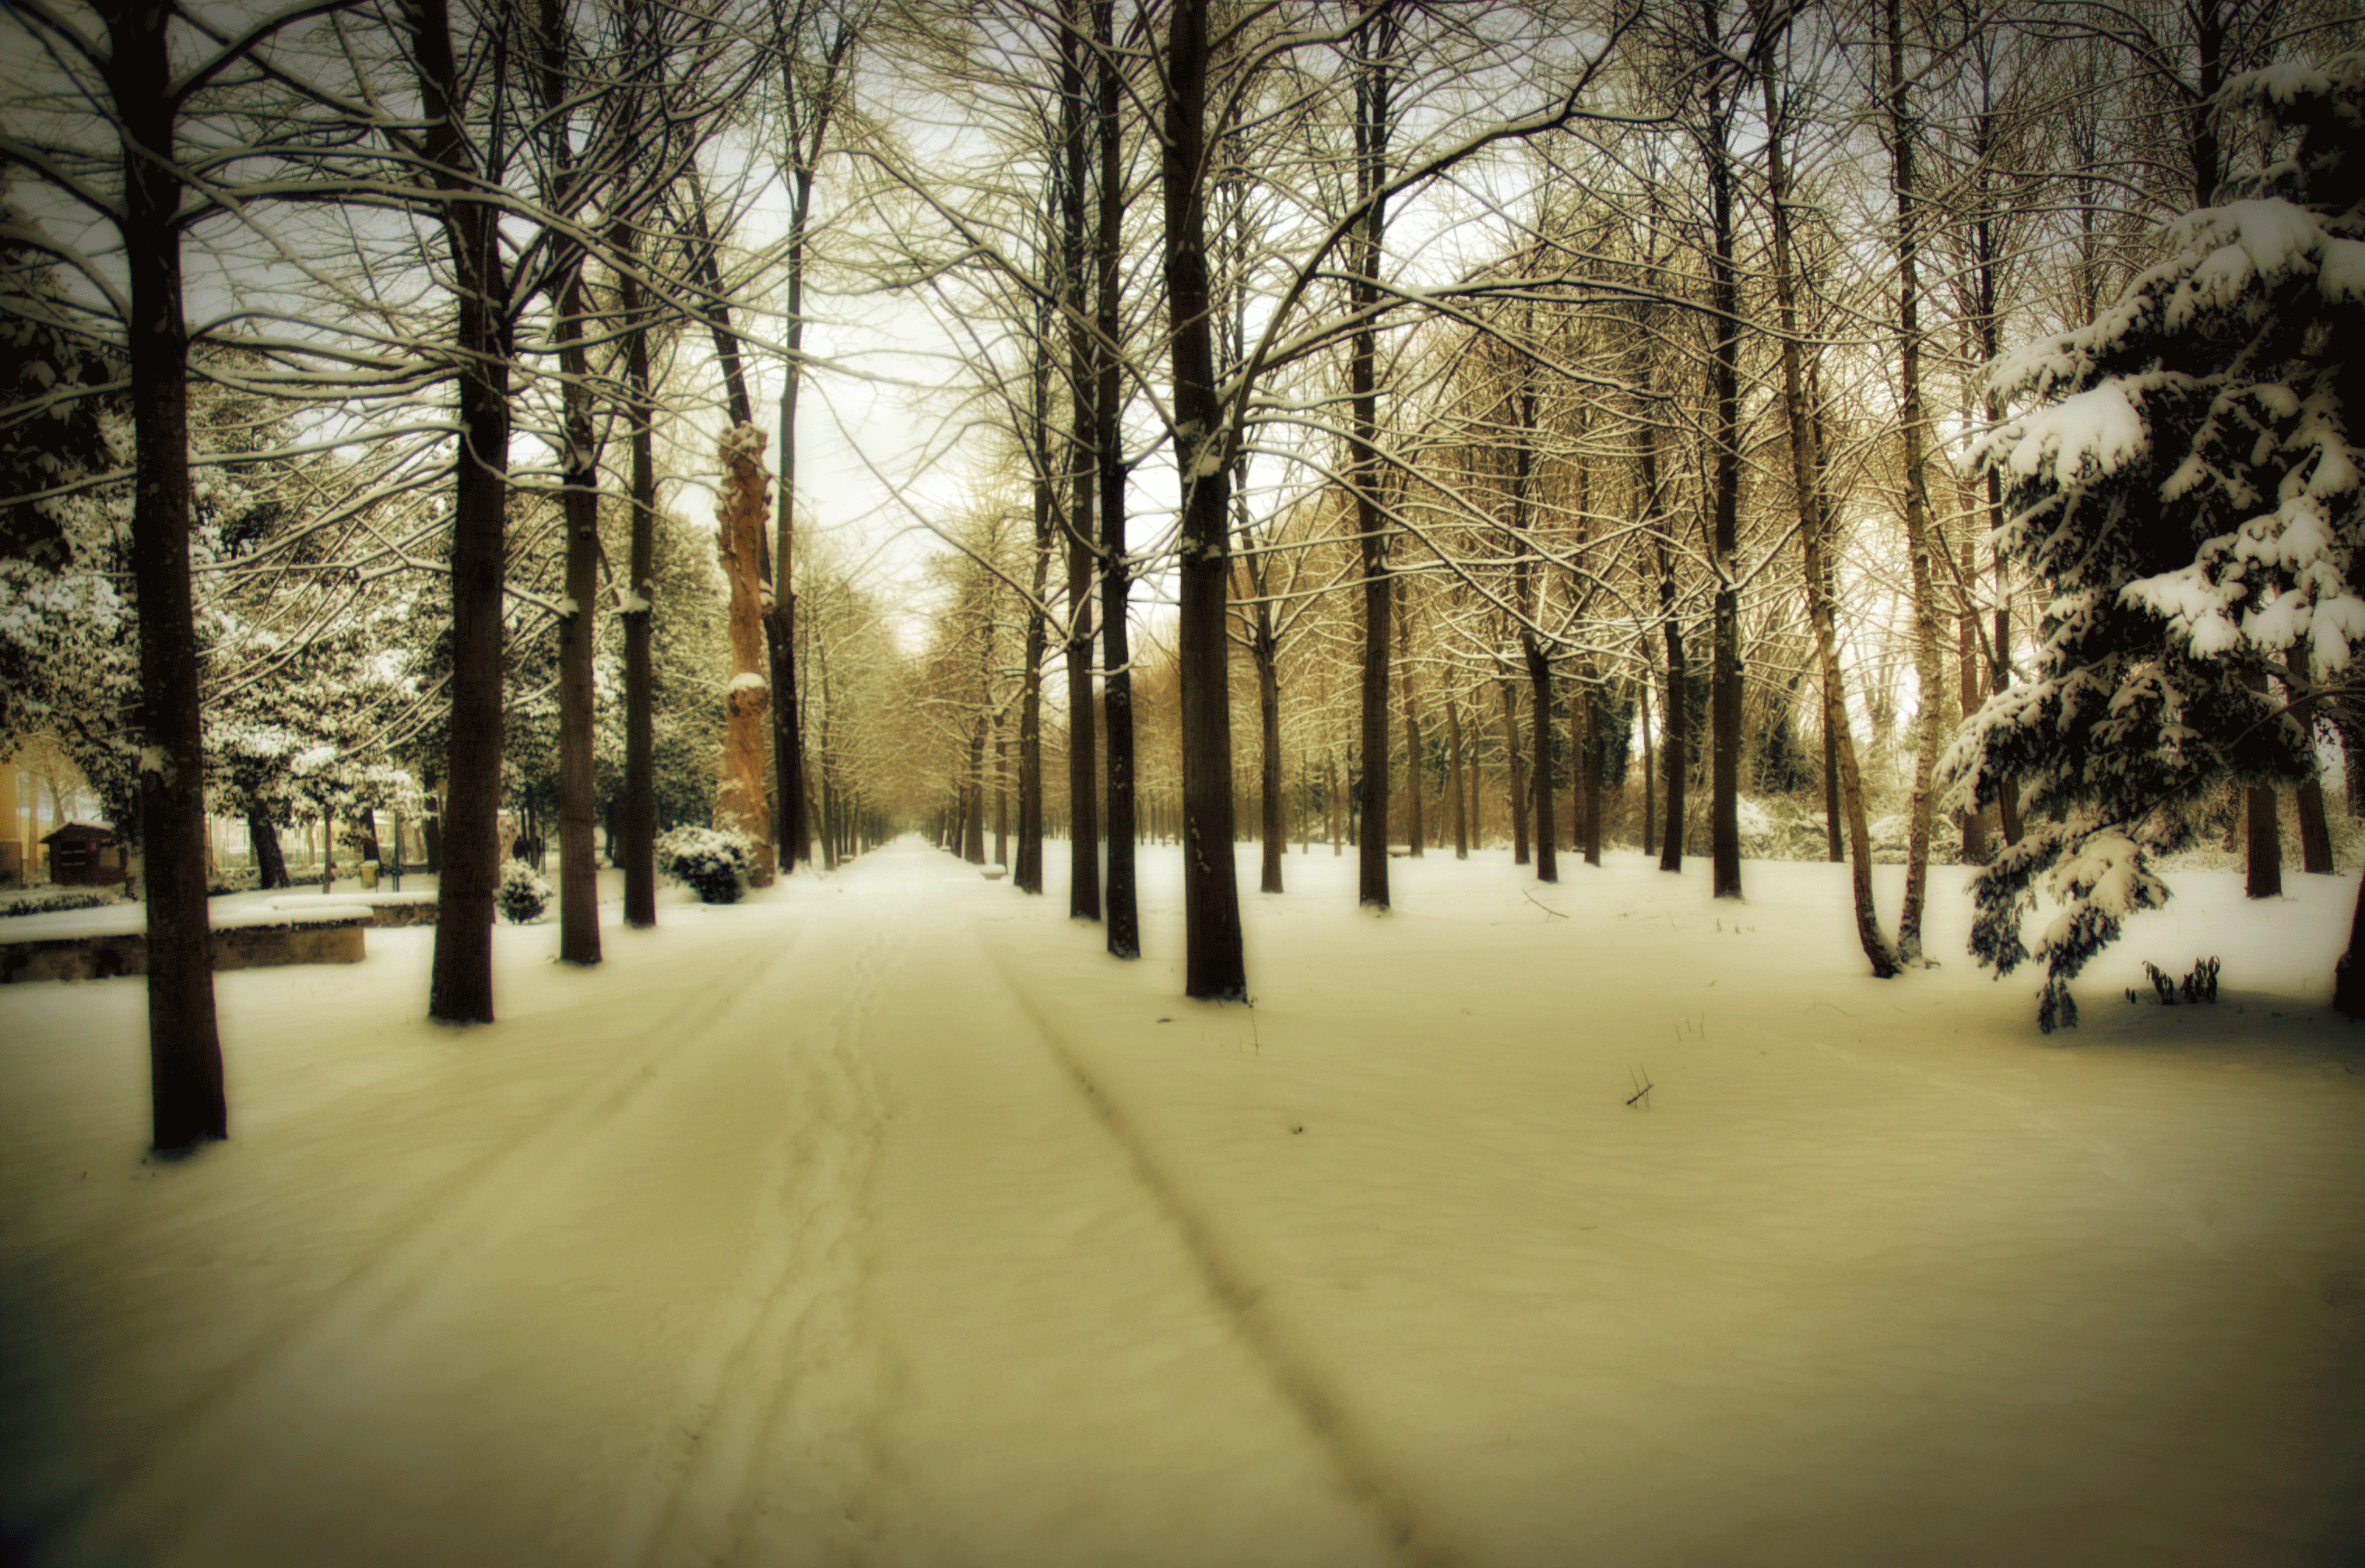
x=1403, y=424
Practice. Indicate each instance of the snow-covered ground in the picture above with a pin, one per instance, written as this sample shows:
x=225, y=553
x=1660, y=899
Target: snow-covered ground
x=882, y=1219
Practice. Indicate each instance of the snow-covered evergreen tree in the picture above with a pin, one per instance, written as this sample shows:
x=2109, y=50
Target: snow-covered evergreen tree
x=2185, y=477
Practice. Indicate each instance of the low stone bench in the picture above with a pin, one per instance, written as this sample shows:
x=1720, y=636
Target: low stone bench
x=386, y=908
x=102, y=949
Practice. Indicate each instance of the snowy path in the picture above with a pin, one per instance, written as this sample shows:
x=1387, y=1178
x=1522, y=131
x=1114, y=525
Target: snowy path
x=884, y=1220
x=829, y=1261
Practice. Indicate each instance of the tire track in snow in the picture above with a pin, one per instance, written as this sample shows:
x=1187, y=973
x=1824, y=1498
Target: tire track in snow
x=1367, y=1476
x=470, y=1211
x=774, y=1446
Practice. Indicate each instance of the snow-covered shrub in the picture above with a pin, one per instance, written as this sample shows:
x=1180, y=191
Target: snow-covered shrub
x=710, y=862
x=50, y=903
x=522, y=895
x=231, y=880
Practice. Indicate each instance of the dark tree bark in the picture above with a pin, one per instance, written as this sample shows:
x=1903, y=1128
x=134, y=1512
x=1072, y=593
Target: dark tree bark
x=1842, y=786
x=1116, y=657
x=1265, y=651
x=1454, y=755
x=2263, y=845
x=1377, y=40
x=1028, y=870
x=461, y=989
x=1515, y=783
x=270, y=860
x=1676, y=738
x=1083, y=472
x=811, y=104
x=1586, y=699
x=578, y=888
x=1912, y=420
x=1416, y=833
x=188, y=1100
x=2314, y=830
x=2348, y=974
x=1214, y=963
x=1725, y=667
x=1539, y=748
x=638, y=828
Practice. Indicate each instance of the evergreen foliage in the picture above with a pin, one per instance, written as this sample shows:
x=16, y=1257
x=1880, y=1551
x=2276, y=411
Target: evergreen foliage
x=2184, y=482
x=522, y=895
x=711, y=862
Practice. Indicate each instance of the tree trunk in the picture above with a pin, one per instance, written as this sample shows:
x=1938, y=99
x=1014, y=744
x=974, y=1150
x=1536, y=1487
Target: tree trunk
x=461, y=991
x=1083, y=759
x=1724, y=666
x=578, y=886
x=1028, y=872
x=1539, y=748
x=1117, y=656
x=972, y=836
x=2263, y=847
x=1586, y=699
x=1514, y=780
x=2348, y=974
x=1415, y=831
x=188, y=1100
x=1844, y=787
x=639, y=825
x=740, y=517
x=1214, y=963
x=1928, y=666
x=1650, y=758
x=1372, y=128
x=1266, y=654
x=270, y=860
x=1453, y=784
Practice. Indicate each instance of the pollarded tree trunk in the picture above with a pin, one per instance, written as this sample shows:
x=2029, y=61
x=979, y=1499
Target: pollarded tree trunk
x=461, y=989
x=188, y=1100
x=1215, y=965
x=740, y=518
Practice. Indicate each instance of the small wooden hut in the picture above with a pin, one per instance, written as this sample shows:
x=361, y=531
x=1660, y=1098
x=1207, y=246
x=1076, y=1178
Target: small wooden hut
x=82, y=856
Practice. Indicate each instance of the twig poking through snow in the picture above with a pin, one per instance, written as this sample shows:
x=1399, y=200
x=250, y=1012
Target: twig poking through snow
x=1541, y=905
x=1643, y=1077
